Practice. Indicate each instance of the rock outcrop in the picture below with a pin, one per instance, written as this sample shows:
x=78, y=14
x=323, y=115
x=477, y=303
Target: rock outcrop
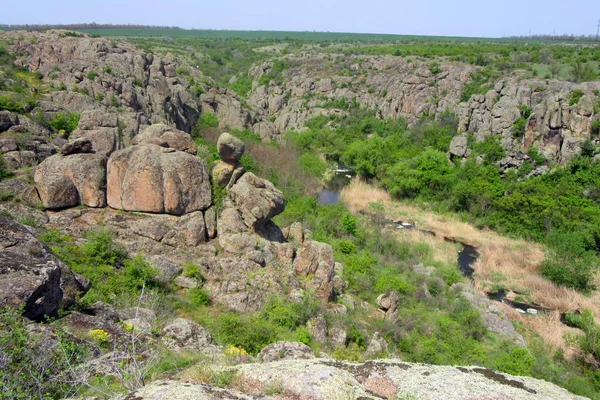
x=32, y=276
x=86, y=172
x=256, y=199
x=155, y=179
x=390, y=379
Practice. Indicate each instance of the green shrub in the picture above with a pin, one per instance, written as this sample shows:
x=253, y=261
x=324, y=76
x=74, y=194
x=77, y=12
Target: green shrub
x=207, y=120
x=575, y=96
x=3, y=171
x=490, y=148
x=192, y=270
x=595, y=130
x=520, y=125
x=199, y=297
x=515, y=361
x=303, y=335
x=92, y=75
x=31, y=368
x=250, y=332
x=63, y=122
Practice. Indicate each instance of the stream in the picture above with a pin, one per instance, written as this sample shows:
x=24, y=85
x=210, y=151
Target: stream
x=330, y=194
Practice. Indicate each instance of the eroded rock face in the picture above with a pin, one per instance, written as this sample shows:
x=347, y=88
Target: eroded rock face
x=32, y=276
x=257, y=200
x=87, y=172
x=159, y=180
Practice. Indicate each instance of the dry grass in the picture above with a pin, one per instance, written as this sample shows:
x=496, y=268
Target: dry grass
x=358, y=194
x=503, y=263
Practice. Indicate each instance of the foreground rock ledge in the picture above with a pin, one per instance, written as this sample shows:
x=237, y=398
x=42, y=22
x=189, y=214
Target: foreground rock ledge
x=321, y=379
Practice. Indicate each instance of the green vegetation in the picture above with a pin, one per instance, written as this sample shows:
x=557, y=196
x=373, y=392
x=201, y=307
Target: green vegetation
x=115, y=277
x=31, y=368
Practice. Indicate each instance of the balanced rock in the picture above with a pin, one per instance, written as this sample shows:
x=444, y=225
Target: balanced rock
x=32, y=276
x=155, y=179
x=257, y=200
x=166, y=136
x=87, y=172
x=230, y=148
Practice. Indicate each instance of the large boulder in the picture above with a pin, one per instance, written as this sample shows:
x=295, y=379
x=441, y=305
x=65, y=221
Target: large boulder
x=316, y=260
x=156, y=179
x=87, y=172
x=166, y=136
x=230, y=148
x=183, y=334
x=57, y=191
x=32, y=276
x=458, y=145
x=257, y=200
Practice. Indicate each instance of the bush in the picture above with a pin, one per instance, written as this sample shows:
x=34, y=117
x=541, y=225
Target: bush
x=65, y=122
x=207, y=120
x=3, y=171
x=575, y=96
x=249, y=332
x=199, y=297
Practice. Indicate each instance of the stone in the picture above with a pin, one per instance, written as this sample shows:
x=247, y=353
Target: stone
x=91, y=119
x=189, y=231
x=316, y=260
x=31, y=275
x=104, y=141
x=377, y=345
x=458, y=145
x=186, y=282
x=257, y=200
x=285, y=351
x=8, y=144
x=166, y=136
x=14, y=160
x=337, y=337
x=7, y=120
x=222, y=172
x=86, y=171
x=183, y=334
x=230, y=148
x=155, y=179
x=388, y=303
x=80, y=145
x=57, y=191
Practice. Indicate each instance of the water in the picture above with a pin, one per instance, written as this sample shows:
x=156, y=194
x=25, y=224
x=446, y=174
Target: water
x=330, y=194
x=523, y=308
x=327, y=196
x=466, y=258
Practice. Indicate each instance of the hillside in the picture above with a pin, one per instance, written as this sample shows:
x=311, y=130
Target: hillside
x=143, y=246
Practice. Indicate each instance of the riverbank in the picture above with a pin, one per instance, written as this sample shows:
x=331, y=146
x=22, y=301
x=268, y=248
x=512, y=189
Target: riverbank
x=504, y=264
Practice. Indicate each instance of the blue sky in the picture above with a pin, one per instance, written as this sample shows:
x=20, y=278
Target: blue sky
x=423, y=17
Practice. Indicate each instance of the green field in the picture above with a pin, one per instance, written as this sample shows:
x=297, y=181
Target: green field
x=304, y=35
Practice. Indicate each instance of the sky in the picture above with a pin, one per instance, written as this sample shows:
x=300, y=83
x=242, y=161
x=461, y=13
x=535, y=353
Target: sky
x=419, y=17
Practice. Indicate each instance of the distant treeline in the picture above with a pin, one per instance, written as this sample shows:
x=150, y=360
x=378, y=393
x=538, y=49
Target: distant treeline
x=561, y=38
x=92, y=25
